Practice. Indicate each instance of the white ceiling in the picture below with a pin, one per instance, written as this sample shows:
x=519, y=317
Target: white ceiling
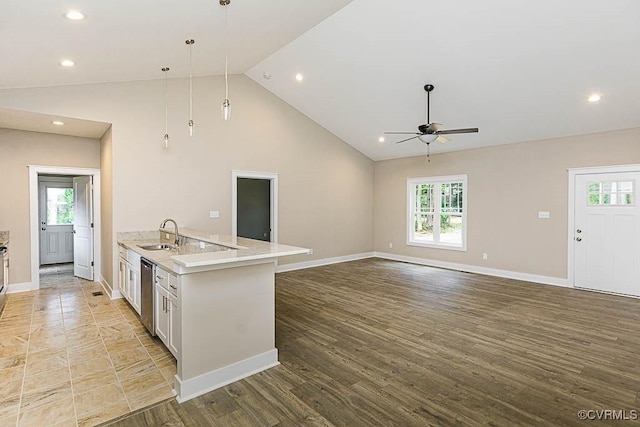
x=124, y=40
x=36, y=122
x=519, y=70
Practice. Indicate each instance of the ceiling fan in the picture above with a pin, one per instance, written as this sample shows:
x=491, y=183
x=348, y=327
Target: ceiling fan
x=431, y=132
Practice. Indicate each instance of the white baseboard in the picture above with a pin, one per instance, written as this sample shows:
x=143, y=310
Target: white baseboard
x=13, y=288
x=545, y=280
x=194, y=387
x=113, y=293
x=321, y=262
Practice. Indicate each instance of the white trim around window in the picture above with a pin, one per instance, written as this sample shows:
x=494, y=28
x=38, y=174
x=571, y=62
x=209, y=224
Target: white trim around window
x=435, y=207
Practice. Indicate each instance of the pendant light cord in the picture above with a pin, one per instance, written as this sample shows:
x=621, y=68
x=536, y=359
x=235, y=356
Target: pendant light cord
x=190, y=43
x=166, y=101
x=190, y=84
x=166, y=107
x=226, y=54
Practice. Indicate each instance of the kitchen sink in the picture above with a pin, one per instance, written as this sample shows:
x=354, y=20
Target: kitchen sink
x=197, y=248
x=157, y=247
x=186, y=249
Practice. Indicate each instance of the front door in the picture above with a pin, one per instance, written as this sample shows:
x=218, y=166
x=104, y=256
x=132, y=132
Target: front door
x=254, y=208
x=607, y=232
x=56, y=222
x=83, y=227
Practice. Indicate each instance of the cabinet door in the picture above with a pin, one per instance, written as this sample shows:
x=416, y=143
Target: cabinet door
x=134, y=288
x=162, y=314
x=122, y=276
x=174, y=326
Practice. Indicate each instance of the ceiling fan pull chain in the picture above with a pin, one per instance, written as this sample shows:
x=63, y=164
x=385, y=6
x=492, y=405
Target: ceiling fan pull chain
x=428, y=152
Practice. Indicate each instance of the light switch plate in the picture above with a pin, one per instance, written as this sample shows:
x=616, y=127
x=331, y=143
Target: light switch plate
x=544, y=215
x=214, y=214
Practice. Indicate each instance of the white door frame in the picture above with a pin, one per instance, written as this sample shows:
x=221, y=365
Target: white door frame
x=273, y=178
x=34, y=171
x=573, y=172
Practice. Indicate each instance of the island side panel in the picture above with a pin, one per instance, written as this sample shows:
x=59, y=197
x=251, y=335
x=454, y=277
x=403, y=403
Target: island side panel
x=227, y=316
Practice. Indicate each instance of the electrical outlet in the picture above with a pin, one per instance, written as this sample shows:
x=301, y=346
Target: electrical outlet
x=485, y=257
x=214, y=214
x=544, y=215
x=390, y=245
x=311, y=251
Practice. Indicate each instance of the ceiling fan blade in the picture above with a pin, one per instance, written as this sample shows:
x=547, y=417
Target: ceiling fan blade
x=443, y=139
x=402, y=133
x=433, y=127
x=408, y=139
x=451, y=131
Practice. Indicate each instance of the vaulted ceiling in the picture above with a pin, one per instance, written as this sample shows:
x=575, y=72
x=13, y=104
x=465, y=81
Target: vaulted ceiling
x=518, y=70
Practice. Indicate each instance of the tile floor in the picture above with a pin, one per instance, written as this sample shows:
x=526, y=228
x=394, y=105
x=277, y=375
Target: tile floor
x=68, y=358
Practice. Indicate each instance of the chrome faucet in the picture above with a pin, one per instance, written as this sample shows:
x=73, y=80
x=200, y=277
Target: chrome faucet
x=175, y=227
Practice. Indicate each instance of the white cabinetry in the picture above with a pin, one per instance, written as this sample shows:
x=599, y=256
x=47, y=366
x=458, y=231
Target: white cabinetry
x=167, y=310
x=129, y=277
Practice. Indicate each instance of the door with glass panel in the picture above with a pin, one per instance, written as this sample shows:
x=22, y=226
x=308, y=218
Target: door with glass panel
x=607, y=232
x=56, y=222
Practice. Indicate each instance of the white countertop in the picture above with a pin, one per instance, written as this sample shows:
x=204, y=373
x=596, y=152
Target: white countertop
x=242, y=251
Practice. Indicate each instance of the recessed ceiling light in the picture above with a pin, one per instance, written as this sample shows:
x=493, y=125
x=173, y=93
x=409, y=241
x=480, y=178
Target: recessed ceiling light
x=67, y=63
x=58, y=123
x=74, y=15
x=595, y=98
x=299, y=77
x=381, y=139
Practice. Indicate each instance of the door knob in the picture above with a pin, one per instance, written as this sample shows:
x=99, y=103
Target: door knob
x=578, y=231
x=579, y=239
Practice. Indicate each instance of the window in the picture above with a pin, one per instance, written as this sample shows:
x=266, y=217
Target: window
x=437, y=212
x=59, y=206
x=606, y=193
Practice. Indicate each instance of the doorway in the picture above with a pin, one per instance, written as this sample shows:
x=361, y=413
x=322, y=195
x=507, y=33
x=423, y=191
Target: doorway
x=604, y=219
x=64, y=222
x=56, y=219
x=254, y=205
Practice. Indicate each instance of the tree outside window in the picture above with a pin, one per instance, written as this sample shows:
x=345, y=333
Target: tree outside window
x=59, y=206
x=437, y=212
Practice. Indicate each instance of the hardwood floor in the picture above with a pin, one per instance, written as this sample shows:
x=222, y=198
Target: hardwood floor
x=378, y=342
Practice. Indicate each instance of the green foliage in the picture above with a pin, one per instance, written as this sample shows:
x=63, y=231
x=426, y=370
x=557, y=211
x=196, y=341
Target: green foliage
x=65, y=207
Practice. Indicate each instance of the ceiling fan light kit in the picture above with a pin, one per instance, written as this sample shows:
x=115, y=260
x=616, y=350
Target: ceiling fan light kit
x=430, y=131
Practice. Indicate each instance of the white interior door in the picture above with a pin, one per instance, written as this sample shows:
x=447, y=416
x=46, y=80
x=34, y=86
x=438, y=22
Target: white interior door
x=56, y=222
x=83, y=227
x=607, y=232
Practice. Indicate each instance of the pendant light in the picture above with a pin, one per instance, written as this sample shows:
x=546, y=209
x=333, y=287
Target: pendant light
x=190, y=43
x=226, y=105
x=166, y=107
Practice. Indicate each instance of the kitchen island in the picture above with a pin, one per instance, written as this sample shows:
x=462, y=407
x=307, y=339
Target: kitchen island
x=224, y=313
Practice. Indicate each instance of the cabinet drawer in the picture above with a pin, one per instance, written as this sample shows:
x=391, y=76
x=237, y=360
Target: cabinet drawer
x=162, y=278
x=134, y=260
x=122, y=252
x=173, y=284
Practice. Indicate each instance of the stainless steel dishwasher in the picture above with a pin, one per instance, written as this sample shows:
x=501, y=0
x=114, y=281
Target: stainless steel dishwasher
x=147, y=281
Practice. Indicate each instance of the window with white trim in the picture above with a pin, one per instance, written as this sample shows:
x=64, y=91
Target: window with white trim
x=609, y=193
x=437, y=212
